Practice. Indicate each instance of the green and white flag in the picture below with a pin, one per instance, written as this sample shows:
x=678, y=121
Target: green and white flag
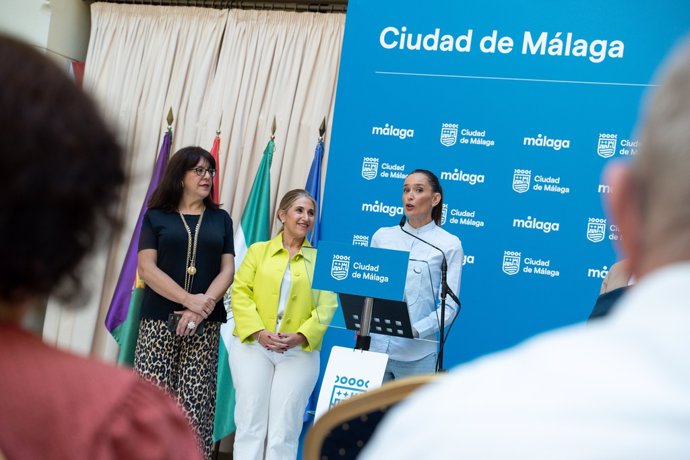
x=255, y=226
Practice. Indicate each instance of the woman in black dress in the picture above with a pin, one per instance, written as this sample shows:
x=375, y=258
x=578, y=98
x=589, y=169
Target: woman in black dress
x=186, y=259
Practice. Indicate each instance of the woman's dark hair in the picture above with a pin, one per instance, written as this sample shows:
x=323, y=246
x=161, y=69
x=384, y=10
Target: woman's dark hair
x=436, y=211
x=61, y=176
x=168, y=194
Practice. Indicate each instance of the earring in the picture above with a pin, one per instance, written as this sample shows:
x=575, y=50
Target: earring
x=182, y=183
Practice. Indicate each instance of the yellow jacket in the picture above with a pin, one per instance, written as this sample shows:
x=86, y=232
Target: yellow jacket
x=256, y=293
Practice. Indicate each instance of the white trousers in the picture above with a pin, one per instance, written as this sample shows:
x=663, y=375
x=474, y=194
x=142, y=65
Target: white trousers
x=271, y=391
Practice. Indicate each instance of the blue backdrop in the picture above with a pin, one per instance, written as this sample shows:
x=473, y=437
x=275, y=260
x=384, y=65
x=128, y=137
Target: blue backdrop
x=516, y=106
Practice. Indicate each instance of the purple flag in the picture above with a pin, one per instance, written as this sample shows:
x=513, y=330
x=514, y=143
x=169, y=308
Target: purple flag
x=119, y=306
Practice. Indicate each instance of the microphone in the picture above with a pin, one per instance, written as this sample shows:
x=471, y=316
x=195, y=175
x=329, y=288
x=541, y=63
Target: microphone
x=445, y=290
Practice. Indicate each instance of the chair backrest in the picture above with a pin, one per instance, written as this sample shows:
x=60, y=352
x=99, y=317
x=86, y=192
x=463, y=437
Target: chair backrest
x=344, y=430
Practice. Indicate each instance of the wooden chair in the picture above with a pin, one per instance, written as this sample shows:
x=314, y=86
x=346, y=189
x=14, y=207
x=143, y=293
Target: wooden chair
x=344, y=430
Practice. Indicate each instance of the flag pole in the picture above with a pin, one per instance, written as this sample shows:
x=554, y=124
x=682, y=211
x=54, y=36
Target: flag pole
x=215, y=153
x=255, y=226
x=313, y=185
x=122, y=319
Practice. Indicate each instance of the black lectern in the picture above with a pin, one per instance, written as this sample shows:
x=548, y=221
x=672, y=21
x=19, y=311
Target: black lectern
x=381, y=316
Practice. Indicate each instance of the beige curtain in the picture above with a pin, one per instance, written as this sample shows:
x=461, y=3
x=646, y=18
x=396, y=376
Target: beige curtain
x=234, y=69
x=272, y=64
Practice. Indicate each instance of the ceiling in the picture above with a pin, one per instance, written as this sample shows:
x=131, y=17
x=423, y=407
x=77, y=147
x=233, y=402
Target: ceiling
x=321, y=6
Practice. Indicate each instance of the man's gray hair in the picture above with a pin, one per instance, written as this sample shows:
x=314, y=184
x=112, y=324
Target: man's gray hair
x=662, y=166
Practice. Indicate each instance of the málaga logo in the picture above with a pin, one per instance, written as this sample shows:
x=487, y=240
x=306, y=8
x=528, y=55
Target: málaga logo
x=370, y=167
x=340, y=267
x=599, y=273
x=606, y=147
x=360, y=240
x=596, y=230
x=511, y=262
x=533, y=224
x=390, y=130
x=444, y=213
x=383, y=208
x=459, y=175
x=449, y=134
x=346, y=387
x=521, y=180
x=546, y=142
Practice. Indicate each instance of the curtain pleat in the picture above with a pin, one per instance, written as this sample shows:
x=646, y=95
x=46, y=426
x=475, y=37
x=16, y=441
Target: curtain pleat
x=237, y=69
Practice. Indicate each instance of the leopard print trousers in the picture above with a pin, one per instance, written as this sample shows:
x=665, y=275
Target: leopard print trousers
x=186, y=367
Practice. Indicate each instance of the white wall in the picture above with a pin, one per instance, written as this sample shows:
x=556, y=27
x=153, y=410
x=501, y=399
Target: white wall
x=26, y=19
x=70, y=25
x=60, y=26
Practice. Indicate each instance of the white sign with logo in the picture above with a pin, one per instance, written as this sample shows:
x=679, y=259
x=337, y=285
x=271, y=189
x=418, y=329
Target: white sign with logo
x=349, y=372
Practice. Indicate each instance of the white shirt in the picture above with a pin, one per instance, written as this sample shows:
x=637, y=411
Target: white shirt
x=422, y=287
x=284, y=294
x=615, y=389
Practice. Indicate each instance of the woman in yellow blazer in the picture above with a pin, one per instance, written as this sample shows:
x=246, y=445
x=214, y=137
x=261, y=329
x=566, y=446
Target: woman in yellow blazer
x=279, y=326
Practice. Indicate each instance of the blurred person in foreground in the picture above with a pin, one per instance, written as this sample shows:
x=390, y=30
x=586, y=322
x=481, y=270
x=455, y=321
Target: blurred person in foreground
x=62, y=173
x=616, y=388
x=617, y=281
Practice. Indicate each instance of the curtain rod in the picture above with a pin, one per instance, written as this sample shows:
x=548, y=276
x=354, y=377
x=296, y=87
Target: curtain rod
x=316, y=6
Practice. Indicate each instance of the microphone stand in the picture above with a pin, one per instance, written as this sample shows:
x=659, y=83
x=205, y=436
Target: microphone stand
x=445, y=291
x=363, y=337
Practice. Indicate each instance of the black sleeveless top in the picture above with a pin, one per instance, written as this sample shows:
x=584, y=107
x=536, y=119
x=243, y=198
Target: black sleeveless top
x=164, y=232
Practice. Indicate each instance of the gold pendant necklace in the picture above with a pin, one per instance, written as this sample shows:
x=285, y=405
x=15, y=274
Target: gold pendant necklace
x=190, y=263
